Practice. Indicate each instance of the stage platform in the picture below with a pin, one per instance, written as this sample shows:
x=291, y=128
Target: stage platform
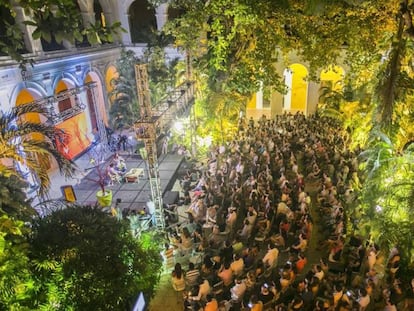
x=133, y=195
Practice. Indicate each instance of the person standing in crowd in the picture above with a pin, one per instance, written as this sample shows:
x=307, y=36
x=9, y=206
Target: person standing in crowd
x=178, y=281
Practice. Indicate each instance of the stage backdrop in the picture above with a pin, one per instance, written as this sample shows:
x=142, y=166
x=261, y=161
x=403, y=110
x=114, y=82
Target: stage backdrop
x=76, y=138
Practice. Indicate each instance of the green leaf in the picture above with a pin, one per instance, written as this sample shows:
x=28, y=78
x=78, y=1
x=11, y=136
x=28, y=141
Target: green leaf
x=37, y=34
x=47, y=36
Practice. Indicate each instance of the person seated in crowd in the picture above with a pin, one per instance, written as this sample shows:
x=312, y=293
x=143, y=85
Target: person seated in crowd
x=237, y=265
x=184, y=243
x=203, y=291
x=231, y=219
x=112, y=174
x=225, y=274
x=192, y=275
x=119, y=163
x=266, y=294
x=216, y=237
x=197, y=209
x=246, y=231
x=363, y=299
x=212, y=304
x=177, y=279
x=318, y=272
x=255, y=304
x=249, y=256
x=300, y=245
x=300, y=263
x=250, y=280
x=211, y=214
x=271, y=257
x=238, y=290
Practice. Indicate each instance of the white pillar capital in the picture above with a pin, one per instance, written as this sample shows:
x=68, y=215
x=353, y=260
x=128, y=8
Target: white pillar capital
x=161, y=14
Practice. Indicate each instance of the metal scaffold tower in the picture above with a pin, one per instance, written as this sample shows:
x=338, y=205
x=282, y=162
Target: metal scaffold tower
x=146, y=130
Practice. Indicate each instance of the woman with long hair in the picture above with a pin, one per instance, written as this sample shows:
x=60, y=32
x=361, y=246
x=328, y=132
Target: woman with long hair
x=178, y=281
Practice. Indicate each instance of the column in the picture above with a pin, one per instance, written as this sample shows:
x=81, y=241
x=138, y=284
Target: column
x=312, y=98
x=276, y=98
x=123, y=17
x=107, y=11
x=87, y=13
x=161, y=14
x=259, y=97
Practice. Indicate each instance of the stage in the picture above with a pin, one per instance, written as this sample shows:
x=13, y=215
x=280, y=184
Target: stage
x=134, y=195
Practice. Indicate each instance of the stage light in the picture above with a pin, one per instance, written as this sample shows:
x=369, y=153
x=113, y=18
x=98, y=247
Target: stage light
x=179, y=127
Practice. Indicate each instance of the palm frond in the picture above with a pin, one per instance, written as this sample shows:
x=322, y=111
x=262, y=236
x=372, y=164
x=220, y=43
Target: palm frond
x=31, y=144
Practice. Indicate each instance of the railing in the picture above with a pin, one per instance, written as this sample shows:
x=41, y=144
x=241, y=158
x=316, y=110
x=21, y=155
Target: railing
x=174, y=105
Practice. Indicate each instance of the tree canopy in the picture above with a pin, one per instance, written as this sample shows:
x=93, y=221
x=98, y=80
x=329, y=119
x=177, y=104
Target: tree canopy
x=88, y=260
x=237, y=43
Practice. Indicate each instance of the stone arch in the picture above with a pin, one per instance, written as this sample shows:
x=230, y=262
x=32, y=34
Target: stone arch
x=26, y=96
x=111, y=73
x=23, y=97
x=296, y=98
x=73, y=122
x=331, y=80
x=333, y=77
x=142, y=21
x=35, y=88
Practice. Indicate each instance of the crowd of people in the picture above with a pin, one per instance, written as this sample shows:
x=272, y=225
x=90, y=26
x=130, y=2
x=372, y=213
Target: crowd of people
x=255, y=206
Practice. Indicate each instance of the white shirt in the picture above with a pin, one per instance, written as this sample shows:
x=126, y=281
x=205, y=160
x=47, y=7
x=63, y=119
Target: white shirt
x=203, y=291
x=271, y=257
x=237, y=291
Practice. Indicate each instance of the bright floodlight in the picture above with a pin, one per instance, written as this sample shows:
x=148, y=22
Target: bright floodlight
x=179, y=127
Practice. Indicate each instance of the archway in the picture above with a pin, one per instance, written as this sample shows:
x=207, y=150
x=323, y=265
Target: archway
x=111, y=73
x=296, y=98
x=26, y=96
x=333, y=76
x=331, y=81
x=142, y=21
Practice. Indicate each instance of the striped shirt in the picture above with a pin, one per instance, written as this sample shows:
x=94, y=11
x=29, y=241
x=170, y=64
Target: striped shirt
x=169, y=257
x=191, y=277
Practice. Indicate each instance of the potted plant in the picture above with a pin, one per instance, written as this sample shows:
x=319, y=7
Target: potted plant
x=99, y=175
